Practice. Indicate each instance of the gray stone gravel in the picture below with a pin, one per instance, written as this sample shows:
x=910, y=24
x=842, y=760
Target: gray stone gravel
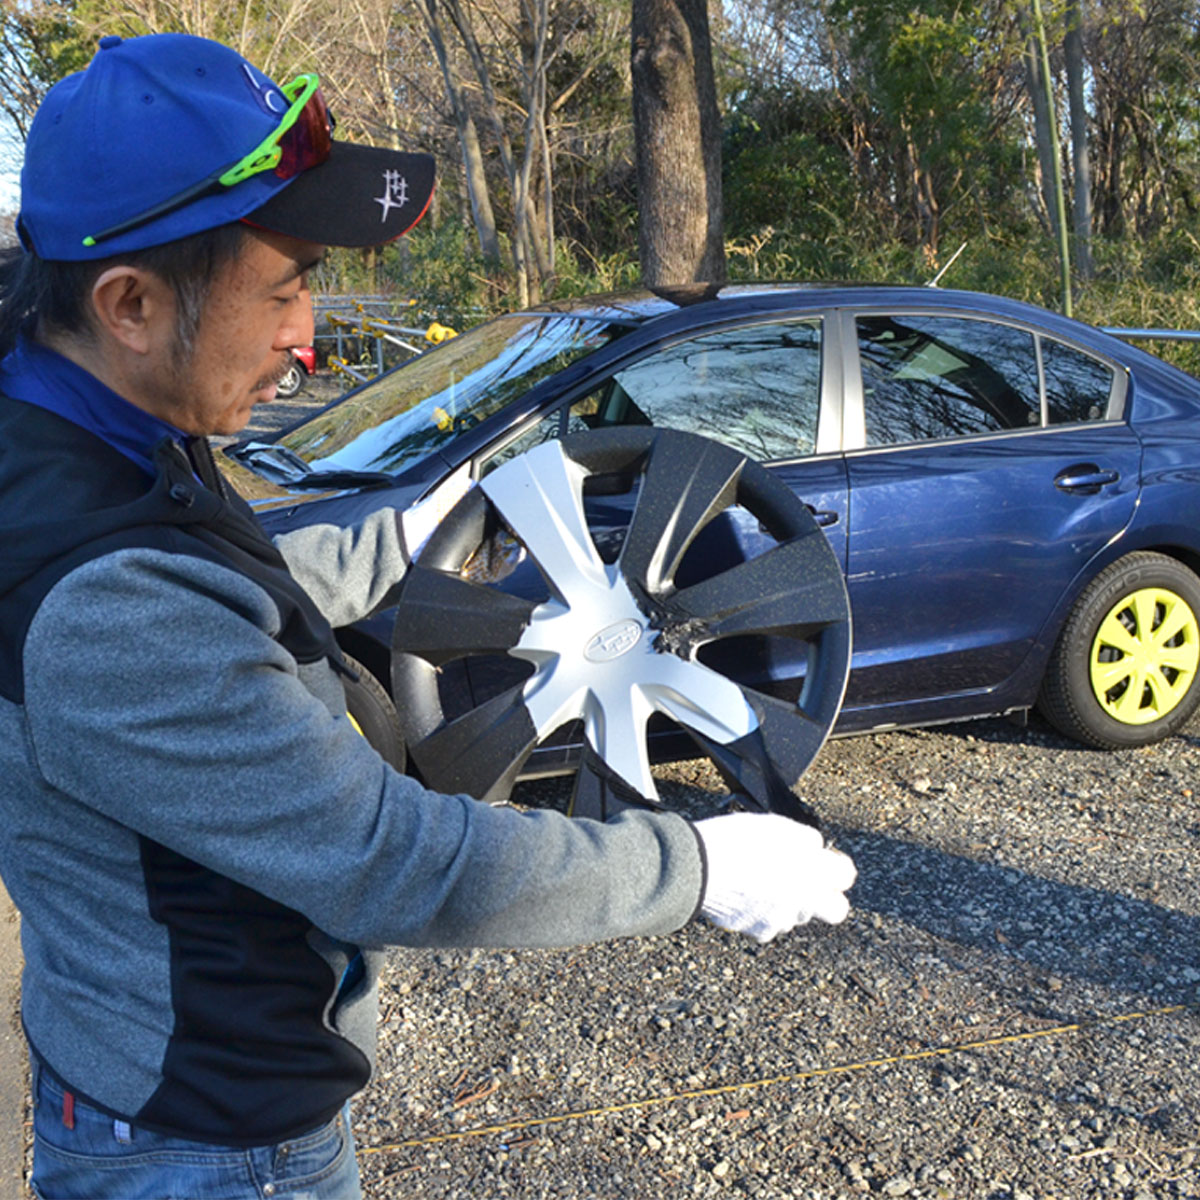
x=316, y=391
x=1010, y=884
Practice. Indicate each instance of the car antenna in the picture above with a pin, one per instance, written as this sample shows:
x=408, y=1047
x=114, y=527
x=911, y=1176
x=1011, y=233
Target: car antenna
x=937, y=278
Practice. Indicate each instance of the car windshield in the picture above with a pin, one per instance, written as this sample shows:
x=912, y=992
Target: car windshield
x=432, y=399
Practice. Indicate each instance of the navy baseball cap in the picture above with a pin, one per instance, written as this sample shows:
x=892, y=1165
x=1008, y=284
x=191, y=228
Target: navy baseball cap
x=156, y=118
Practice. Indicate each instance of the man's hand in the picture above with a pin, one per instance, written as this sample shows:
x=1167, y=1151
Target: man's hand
x=767, y=874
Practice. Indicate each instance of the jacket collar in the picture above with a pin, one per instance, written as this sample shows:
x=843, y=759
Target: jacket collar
x=38, y=375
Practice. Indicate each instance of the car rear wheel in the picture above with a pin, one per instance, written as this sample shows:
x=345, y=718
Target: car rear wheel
x=623, y=634
x=291, y=383
x=1125, y=669
x=373, y=714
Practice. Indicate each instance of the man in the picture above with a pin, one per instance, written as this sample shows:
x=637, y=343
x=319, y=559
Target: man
x=207, y=857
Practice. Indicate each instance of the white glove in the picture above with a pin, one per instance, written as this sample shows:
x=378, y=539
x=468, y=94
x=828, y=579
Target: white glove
x=767, y=874
x=421, y=519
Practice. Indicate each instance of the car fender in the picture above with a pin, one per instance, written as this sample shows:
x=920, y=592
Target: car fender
x=1176, y=540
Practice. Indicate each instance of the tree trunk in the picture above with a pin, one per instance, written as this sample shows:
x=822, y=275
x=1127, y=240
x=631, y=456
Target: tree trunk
x=1043, y=134
x=532, y=259
x=526, y=244
x=677, y=135
x=547, y=232
x=1082, y=170
x=468, y=139
x=924, y=198
x=477, y=186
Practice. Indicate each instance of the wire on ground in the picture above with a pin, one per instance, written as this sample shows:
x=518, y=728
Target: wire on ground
x=748, y=1085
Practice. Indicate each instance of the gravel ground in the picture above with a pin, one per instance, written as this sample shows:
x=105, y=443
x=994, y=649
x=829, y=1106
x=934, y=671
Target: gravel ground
x=1012, y=886
x=316, y=392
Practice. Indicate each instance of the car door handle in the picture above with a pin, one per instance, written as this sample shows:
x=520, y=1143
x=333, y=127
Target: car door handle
x=824, y=519
x=1086, y=478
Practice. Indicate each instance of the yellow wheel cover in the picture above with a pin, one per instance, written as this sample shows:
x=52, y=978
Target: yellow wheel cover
x=1144, y=656
x=357, y=726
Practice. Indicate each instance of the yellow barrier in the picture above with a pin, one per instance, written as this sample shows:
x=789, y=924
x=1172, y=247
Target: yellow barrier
x=381, y=330
x=437, y=332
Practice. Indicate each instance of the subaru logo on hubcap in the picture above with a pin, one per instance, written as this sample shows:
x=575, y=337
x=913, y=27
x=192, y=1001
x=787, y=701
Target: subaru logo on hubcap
x=613, y=641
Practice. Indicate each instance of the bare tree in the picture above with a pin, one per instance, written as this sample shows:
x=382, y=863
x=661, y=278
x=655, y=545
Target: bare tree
x=678, y=140
x=535, y=48
x=20, y=94
x=25, y=73
x=1043, y=135
x=264, y=31
x=497, y=58
x=1082, y=184
x=526, y=50
x=478, y=193
x=1144, y=82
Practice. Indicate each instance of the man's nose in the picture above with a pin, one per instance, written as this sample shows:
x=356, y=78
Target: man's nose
x=298, y=329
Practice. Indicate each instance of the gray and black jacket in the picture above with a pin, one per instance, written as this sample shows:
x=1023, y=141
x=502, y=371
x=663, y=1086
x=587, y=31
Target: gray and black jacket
x=202, y=848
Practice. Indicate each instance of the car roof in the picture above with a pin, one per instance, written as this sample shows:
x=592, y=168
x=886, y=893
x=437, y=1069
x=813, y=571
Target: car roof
x=670, y=310
x=639, y=306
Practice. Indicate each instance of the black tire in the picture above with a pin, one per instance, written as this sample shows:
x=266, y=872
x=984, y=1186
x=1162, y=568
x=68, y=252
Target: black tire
x=1124, y=672
x=372, y=711
x=291, y=383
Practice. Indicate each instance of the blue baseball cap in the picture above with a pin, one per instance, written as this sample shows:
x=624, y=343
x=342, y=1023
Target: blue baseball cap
x=154, y=116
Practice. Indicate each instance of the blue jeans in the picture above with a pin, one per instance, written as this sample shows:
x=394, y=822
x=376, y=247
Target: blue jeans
x=103, y=1159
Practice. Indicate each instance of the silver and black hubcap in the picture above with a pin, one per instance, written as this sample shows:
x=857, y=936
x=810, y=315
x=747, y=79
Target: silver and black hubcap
x=617, y=639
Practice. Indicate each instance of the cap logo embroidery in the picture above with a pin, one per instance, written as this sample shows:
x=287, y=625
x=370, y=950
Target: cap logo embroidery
x=395, y=193
x=269, y=97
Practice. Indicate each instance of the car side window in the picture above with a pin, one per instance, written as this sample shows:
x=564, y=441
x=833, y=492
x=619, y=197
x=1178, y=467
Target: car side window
x=756, y=388
x=1077, y=385
x=927, y=378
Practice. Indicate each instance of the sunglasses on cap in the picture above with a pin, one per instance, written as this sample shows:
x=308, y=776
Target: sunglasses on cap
x=301, y=140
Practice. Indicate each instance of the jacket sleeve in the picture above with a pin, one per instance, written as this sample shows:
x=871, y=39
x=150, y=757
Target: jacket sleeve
x=156, y=694
x=348, y=571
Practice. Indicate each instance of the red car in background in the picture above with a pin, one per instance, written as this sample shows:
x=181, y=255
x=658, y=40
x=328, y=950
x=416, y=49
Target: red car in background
x=304, y=363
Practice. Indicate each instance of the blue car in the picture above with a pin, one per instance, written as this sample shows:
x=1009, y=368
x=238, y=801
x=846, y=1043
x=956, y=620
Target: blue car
x=1010, y=497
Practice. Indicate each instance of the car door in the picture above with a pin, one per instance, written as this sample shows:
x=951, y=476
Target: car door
x=993, y=463
x=765, y=388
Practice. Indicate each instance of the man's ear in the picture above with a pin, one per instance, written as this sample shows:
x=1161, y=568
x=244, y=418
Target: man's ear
x=133, y=306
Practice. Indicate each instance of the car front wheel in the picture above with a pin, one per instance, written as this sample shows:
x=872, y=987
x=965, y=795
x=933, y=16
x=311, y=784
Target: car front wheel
x=1124, y=671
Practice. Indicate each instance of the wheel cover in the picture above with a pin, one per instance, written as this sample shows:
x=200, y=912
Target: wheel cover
x=1144, y=656
x=617, y=642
